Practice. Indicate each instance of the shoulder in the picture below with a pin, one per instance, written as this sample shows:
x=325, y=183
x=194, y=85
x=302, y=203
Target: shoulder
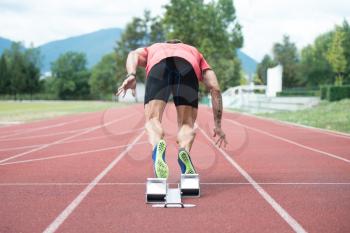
x=155, y=45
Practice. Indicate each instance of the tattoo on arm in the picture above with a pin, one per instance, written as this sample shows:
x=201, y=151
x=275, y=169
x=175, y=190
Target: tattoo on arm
x=217, y=107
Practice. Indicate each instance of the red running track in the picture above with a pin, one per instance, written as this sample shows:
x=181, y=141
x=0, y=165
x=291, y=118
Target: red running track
x=86, y=173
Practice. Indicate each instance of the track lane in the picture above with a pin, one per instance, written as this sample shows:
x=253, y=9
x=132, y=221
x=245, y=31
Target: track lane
x=59, y=220
x=68, y=147
x=81, y=123
x=28, y=132
x=25, y=199
x=319, y=208
x=325, y=142
x=13, y=129
x=228, y=208
x=313, y=190
x=102, y=125
x=274, y=161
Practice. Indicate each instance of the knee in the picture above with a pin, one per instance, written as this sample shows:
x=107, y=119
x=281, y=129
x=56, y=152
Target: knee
x=185, y=132
x=153, y=125
x=152, y=116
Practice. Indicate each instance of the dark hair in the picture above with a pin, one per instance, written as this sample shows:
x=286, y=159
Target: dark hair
x=173, y=41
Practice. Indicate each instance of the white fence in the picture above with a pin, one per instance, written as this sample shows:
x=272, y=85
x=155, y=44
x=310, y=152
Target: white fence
x=253, y=98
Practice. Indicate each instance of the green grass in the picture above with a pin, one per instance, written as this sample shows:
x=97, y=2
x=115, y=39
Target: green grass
x=328, y=115
x=26, y=111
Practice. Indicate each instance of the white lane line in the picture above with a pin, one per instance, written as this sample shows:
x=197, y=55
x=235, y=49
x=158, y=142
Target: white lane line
x=43, y=135
x=143, y=183
x=70, y=155
x=281, y=183
x=65, y=139
x=20, y=147
x=296, y=125
x=44, y=127
x=289, y=141
x=10, y=123
x=69, y=184
x=76, y=140
x=74, y=204
x=277, y=207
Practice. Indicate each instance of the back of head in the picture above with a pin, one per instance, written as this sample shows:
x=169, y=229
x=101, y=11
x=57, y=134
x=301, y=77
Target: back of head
x=173, y=41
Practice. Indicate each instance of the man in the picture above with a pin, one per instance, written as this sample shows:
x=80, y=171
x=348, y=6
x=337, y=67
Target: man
x=173, y=68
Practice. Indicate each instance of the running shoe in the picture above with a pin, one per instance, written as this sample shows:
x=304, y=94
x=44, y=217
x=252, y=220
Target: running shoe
x=185, y=162
x=161, y=169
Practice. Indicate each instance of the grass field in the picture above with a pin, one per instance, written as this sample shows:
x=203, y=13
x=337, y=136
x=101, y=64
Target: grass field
x=328, y=115
x=26, y=111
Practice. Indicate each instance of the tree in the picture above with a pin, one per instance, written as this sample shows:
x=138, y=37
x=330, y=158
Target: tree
x=226, y=70
x=286, y=54
x=346, y=46
x=315, y=69
x=266, y=63
x=213, y=29
x=102, y=81
x=20, y=69
x=4, y=75
x=140, y=32
x=336, y=56
x=33, y=63
x=71, y=76
x=184, y=25
x=17, y=69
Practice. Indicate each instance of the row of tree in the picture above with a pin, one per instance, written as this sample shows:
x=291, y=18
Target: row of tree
x=211, y=27
x=19, y=70
x=20, y=74
x=325, y=62
x=70, y=79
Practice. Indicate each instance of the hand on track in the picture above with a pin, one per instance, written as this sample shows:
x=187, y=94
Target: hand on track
x=129, y=83
x=222, y=137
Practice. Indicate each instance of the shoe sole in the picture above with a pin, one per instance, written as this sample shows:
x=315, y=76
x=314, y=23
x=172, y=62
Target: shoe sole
x=161, y=168
x=185, y=158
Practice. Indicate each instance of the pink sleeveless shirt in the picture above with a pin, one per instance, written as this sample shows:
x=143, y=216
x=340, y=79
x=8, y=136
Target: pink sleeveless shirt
x=159, y=51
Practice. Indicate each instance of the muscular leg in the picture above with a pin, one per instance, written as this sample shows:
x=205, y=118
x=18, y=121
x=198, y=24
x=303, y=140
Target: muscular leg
x=186, y=117
x=153, y=112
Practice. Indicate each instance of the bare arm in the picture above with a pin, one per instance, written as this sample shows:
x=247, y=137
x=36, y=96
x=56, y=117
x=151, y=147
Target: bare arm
x=211, y=83
x=135, y=58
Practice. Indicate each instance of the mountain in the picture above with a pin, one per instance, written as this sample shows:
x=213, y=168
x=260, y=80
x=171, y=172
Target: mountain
x=4, y=44
x=248, y=63
x=94, y=45
x=98, y=43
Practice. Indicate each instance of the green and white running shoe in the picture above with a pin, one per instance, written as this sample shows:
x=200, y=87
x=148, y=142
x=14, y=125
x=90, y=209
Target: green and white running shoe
x=185, y=162
x=161, y=169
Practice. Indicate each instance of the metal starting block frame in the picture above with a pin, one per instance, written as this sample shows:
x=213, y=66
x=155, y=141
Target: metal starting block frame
x=161, y=195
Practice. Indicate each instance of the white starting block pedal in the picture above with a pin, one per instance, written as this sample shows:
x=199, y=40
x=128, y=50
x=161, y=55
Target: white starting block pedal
x=156, y=190
x=189, y=185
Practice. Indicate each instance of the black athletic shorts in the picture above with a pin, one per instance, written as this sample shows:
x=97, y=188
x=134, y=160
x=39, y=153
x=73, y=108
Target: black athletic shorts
x=176, y=76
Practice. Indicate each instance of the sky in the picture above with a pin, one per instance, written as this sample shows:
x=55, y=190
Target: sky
x=264, y=21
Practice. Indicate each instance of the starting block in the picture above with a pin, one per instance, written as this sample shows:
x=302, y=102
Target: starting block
x=189, y=185
x=158, y=191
